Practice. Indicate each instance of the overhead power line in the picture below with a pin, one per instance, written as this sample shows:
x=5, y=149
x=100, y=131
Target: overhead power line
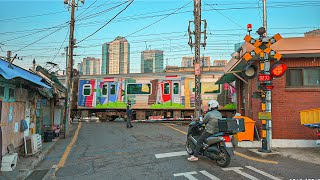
x=86, y=8
x=39, y=39
x=102, y=12
x=158, y=20
x=31, y=16
x=106, y=23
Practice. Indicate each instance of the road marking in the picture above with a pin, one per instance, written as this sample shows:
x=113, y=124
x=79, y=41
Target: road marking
x=171, y=154
x=176, y=129
x=209, y=175
x=237, y=170
x=235, y=152
x=255, y=159
x=187, y=175
x=67, y=151
x=263, y=173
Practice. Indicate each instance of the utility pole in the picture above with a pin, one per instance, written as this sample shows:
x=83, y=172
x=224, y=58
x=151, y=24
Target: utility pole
x=69, y=68
x=197, y=42
x=65, y=114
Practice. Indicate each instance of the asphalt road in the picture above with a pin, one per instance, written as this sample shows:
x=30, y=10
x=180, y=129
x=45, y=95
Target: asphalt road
x=111, y=151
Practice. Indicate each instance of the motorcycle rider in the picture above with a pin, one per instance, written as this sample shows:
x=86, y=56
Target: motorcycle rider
x=211, y=122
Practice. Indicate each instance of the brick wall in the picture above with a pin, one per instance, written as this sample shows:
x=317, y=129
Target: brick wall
x=286, y=104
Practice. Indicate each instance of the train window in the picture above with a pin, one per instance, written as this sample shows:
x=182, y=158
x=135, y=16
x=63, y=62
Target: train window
x=104, y=89
x=166, y=88
x=175, y=88
x=133, y=88
x=87, y=90
x=113, y=89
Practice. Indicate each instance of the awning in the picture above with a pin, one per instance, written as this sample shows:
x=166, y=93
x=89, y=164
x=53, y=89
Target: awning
x=11, y=72
x=226, y=78
x=233, y=71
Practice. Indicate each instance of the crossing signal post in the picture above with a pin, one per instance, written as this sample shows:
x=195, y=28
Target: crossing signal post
x=265, y=76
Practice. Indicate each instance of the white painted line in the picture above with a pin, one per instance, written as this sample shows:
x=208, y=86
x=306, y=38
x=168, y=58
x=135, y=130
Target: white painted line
x=237, y=170
x=187, y=175
x=263, y=173
x=171, y=154
x=209, y=175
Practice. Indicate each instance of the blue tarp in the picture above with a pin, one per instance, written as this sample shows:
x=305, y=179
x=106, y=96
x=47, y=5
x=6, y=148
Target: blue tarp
x=17, y=72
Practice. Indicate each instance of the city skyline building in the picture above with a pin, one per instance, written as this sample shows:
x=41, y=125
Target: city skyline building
x=187, y=61
x=152, y=61
x=89, y=66
x=116, y=57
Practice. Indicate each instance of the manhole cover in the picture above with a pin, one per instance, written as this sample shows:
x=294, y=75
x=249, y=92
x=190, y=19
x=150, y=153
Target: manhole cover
x=37, y=174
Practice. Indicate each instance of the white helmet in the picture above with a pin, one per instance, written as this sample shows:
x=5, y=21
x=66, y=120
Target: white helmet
x=213, y=104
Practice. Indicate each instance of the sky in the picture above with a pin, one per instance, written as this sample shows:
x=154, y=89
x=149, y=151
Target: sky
x=39, y=29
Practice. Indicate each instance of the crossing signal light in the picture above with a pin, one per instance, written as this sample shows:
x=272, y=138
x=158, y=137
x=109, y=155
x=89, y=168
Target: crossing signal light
x=250, y=70
x=278, y=69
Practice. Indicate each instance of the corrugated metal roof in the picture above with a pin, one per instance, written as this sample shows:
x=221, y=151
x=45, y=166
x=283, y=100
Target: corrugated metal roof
x=17, y=72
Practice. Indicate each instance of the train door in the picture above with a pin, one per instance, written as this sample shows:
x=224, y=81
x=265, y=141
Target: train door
x=112, y=92
x=166, y=91
x=104, y=93
x=175, y=92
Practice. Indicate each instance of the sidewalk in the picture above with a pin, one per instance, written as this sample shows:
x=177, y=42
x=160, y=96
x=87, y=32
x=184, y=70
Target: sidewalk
x=26, y=165
x=311, y=155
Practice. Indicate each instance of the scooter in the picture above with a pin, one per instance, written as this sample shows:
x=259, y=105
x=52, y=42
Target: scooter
x=218, y=147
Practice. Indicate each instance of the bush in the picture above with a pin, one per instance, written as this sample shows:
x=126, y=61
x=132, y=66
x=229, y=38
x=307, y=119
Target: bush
x=230, y=106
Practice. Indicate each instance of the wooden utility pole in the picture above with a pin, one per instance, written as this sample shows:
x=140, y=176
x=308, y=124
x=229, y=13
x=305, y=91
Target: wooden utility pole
x=69, y=69
x=197, y=43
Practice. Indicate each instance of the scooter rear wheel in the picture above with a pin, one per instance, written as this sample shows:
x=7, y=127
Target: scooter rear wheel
x=226, y=159
x=189, y=148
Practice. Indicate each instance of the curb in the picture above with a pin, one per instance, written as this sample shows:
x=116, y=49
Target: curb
x=39, y=159
x=264, y=154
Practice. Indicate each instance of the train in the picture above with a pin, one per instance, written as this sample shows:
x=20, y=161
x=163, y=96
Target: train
x=152, y=95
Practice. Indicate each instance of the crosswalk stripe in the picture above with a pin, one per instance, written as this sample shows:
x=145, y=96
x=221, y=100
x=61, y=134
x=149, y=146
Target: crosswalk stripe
x=209, y=175
x=237, y=170
x=188, y=175
x=171, y=154
x=263, y=173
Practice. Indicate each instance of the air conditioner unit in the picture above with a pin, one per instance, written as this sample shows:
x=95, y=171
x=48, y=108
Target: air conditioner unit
x=33, y=143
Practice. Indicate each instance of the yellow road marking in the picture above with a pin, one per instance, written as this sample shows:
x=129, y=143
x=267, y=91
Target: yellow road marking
x=68, y=149
x=235, y=152
x=176, y=129
x=255, y=159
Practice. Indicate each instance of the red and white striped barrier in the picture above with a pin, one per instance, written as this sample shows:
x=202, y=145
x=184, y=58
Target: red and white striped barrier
x=163, y=120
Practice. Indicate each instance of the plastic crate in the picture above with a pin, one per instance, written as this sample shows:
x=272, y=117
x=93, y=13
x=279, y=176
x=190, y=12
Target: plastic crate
x=231, y=125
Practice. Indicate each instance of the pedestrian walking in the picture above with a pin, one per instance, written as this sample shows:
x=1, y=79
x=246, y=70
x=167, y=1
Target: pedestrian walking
x=129, y=115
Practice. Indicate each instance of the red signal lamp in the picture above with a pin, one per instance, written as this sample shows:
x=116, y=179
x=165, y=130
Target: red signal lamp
x=269, y=87
x=278, y=69
x=249, y=27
